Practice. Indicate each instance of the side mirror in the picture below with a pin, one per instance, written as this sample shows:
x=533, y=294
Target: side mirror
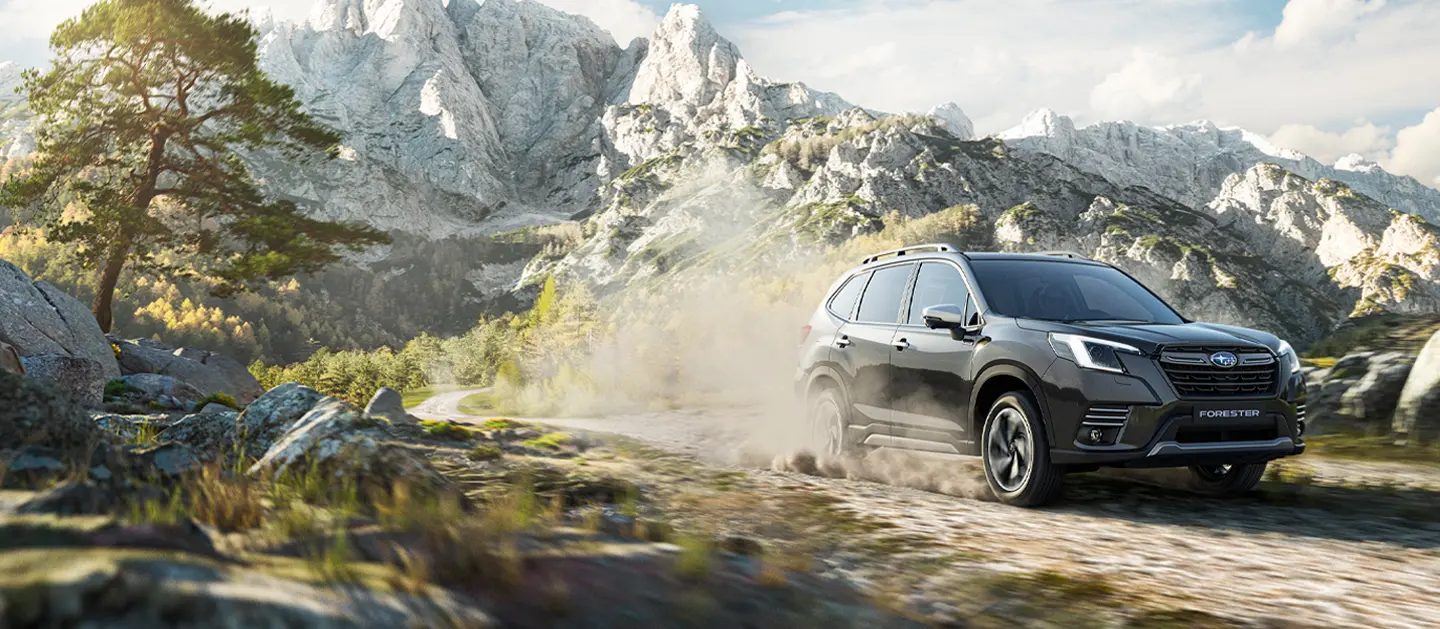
x=944, y=317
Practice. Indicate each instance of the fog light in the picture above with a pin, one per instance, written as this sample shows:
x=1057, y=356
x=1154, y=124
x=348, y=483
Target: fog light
x=1096, y=435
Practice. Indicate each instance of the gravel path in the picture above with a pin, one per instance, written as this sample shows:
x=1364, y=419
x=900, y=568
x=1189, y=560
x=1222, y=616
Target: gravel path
x=1252, y=558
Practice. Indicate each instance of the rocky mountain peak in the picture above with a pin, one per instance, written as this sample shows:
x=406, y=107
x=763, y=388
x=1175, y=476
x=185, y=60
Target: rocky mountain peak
x=688, y=62
x=955, y=120
x=1042, y=122
x=386, y=19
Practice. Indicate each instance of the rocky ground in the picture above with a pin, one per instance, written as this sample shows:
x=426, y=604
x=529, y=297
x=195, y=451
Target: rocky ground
x=1325, y=543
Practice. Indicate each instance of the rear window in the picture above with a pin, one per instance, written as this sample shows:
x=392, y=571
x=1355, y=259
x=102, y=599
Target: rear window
x=881, y=302
x=843, y=303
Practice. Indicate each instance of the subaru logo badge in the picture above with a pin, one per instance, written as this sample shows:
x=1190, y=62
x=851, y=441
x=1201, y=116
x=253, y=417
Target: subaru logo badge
x=1224, y=360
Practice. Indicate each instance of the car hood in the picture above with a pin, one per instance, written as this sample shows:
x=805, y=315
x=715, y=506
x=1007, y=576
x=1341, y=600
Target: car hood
x=1149, y=337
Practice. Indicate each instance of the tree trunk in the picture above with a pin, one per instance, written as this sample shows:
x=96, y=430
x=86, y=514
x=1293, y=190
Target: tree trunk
x=105, y=287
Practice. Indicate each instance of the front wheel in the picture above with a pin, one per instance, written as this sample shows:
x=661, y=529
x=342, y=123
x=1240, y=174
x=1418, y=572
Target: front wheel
x=1017, y=455
x=1227, y=480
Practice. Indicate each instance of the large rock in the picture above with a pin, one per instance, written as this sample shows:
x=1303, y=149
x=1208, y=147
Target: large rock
x=81, y=377
x=36, y=413
x=389, y=405
x=155, y=387
x=267, y=418
x=1417, y=412
x=210, y=434
x=206, y=371
x=39, y=319
x=330, y=429
x=341, y=443
x=1372, y=400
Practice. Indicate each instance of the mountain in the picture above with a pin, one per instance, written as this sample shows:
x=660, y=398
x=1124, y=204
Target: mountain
x=1190, y=163
x=466, y=124
x=480, y=118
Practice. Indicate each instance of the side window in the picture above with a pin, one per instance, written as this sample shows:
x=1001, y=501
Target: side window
x=1106, y=300
x=881, y=303
x=843, y=303
x=937, y=284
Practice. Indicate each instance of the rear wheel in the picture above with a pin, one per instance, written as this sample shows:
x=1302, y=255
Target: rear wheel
x=826, y=421
x=1227, y=480
x=1017, y=455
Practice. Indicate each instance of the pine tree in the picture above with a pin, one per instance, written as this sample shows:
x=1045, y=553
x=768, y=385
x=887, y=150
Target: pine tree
x=147, y=107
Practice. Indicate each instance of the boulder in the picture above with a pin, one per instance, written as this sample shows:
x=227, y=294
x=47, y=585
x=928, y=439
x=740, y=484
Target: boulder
x=331, y=428
x=155, y=387
x=83, y=378
x=37, y=413
x=1417, y=411
x=270, y=416
x=210, y=434
x=343, y=443
x=206, y=371
x=1372, y=400
x=158, y=462
x=388, y=405
x=38, y=319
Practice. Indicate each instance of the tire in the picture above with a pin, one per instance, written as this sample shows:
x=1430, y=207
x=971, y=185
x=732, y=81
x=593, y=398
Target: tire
x=1226, y=480
x=825, y=419
x=1013, y=431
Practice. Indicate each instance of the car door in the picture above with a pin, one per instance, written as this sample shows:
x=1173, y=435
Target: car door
x=864, y=344
x=932, y=368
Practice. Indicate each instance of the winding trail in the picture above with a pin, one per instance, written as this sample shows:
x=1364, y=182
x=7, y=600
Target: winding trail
x=1250, y=558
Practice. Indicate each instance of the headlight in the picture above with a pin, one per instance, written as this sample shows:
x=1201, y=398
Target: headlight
x=1288, y=353
x=1091, y=353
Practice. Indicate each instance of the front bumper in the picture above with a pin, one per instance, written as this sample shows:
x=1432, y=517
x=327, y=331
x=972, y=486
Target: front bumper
x=1143, y=423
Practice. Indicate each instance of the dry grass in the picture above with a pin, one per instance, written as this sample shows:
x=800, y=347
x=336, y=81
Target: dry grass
x=228, y=503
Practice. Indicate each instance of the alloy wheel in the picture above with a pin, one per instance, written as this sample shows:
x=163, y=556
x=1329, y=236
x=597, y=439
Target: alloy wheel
x=1010, y=449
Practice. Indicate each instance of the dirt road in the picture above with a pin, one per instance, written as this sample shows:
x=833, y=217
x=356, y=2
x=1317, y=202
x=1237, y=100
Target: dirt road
x=1347, y=545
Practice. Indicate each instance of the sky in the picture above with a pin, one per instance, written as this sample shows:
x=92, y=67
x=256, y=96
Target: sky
x=1325, y=77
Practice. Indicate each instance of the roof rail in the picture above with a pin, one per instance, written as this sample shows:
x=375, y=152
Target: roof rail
x=938, y=247
x=1064, y=254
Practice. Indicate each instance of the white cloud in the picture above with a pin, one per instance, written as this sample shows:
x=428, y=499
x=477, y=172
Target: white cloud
x=1327, y=64
x=1365, y=139
x=1150, y=82
x=625, y=19
x=1417, y=150
x=1313, y=22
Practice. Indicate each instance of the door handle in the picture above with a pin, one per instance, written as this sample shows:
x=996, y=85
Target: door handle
x=902, y=345
x=842, y=342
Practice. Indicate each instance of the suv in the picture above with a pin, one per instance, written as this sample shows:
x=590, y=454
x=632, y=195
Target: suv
x=1042, y=364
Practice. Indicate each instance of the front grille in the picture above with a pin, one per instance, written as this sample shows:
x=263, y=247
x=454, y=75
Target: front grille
x=1193, y=375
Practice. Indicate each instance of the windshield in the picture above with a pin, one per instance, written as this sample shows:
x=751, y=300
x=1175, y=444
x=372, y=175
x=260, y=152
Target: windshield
x=1067, y=291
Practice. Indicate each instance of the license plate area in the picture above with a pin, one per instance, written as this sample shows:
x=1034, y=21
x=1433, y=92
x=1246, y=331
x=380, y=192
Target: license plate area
x=1229, y=414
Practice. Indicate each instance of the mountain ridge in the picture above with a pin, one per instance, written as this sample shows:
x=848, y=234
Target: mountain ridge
x=462, y=120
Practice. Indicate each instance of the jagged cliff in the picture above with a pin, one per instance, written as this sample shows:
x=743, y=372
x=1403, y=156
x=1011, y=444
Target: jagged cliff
x=464, y=119
x=1191, y=163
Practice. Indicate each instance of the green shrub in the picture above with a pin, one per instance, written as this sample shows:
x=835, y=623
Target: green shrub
x=118, y=388
x=449, y=432
x=485, y=452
